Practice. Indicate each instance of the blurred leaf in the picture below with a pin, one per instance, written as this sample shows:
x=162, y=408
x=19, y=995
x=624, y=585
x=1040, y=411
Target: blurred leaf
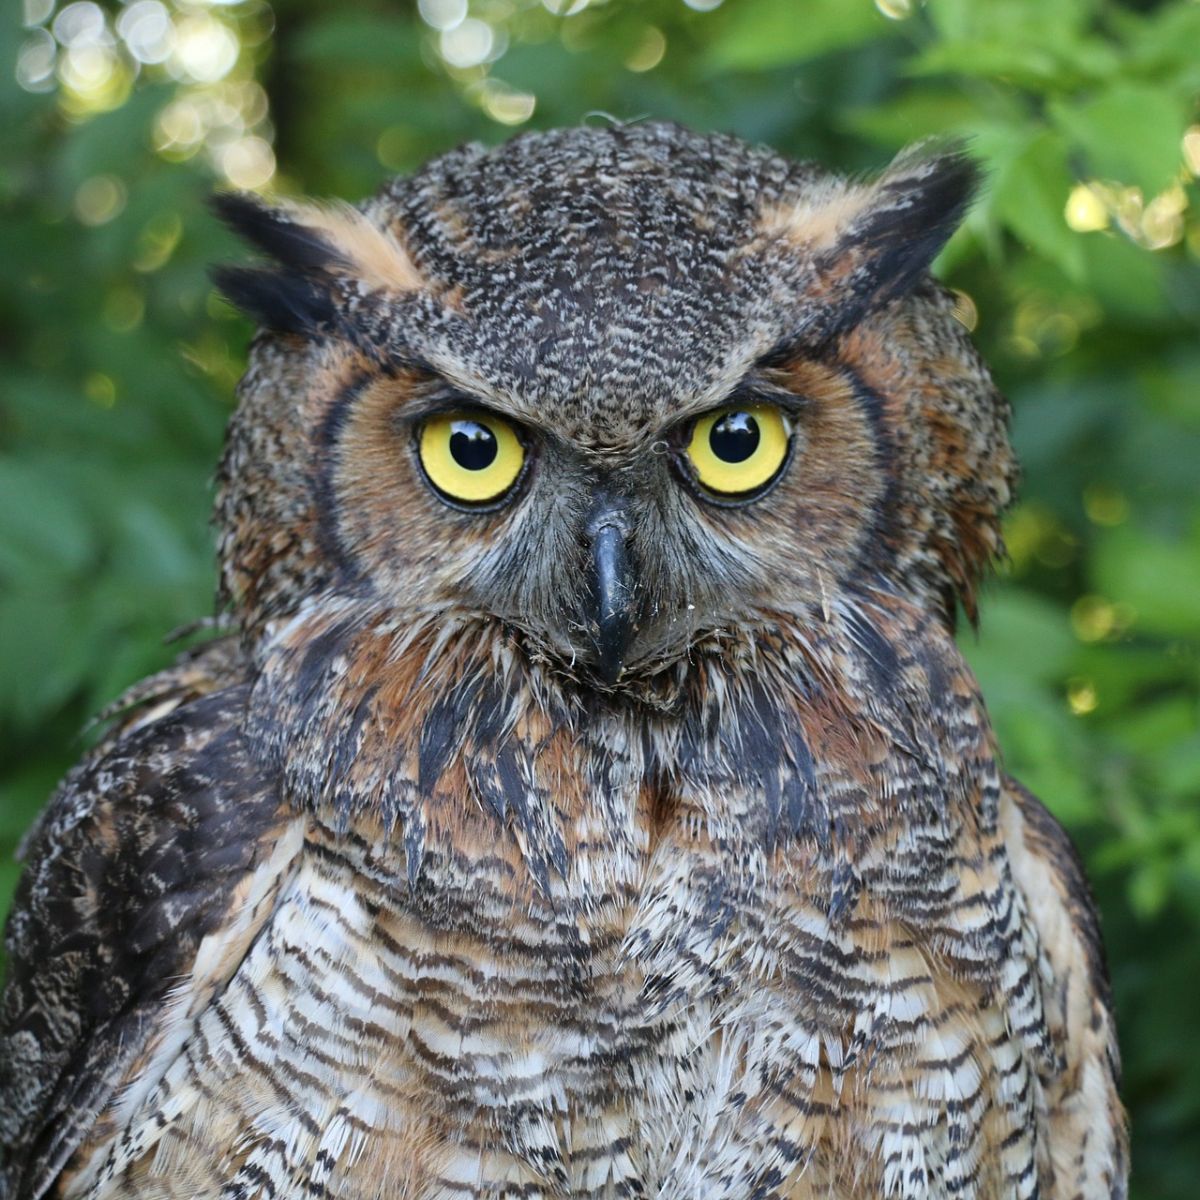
x=908, y=118
x=770, y=33
x=1022, y=628
x=1155, y=727
x=42, y=525
x=358, y=40
x=1158, y=579
x=1029, y=195
x=1124, y=278
x=1131, y=132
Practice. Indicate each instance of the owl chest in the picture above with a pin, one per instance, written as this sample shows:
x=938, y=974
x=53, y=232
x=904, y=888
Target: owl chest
x=672, y=1027
x=480, y=1037
x=469, y=1035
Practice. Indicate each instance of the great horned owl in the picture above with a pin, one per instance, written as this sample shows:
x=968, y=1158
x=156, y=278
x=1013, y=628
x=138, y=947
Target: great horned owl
x=592, y=801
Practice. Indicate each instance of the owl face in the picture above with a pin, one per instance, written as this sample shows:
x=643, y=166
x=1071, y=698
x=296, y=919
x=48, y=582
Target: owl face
x=627, y=393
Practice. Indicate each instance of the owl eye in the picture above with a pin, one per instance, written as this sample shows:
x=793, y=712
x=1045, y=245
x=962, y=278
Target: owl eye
x=470, y=458
x=738, y=451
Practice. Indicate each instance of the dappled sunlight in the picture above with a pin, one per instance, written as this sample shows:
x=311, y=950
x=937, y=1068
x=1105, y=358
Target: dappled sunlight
x=94, y=57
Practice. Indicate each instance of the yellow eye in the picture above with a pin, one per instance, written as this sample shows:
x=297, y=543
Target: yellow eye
x=472, y=458
x=735, y=451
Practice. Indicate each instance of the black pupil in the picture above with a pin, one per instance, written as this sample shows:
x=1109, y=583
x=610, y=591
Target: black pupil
x=734, y=437
x=473, y=446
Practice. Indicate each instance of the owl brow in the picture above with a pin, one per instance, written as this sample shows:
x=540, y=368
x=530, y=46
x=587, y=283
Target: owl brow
x=786, y=350
x=434, y=395
x=761, y=387
x=758, y=386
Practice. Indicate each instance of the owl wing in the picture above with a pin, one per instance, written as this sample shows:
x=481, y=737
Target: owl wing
x=142, y=855
x=1087, y=1135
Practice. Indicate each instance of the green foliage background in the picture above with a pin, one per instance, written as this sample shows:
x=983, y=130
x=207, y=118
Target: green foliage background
x=1081, y=264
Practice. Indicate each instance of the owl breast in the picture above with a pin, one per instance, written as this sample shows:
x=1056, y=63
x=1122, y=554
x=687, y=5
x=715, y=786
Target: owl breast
x=680, y=1014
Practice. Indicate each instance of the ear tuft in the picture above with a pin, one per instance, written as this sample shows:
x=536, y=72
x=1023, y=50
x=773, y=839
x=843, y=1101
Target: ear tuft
x=274, y=232
x=871, y=242
x=282, y=301
x=319, y=249
x=920, y=201
x=364, y=252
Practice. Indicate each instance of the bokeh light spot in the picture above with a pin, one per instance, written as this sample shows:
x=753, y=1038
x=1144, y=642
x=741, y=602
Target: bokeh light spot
x=124, y=308
x=1093, y=618
x=1081, y=696
x=180, y=128
x=147, y=30
x=468, y=44
x=205, y=48
x=1105, y=505
x=1086, y=211
x=36, y=61
x=1191, y=149
x=649, y=52
x=505, y=104
x=100, y=389
x=1162, y=222
x=94, y=79
x=157, y=242
x=99, y=199
x=442, y=14
x=1057, y=548
x=248, y=162
x=81, y=24
x=35, y=12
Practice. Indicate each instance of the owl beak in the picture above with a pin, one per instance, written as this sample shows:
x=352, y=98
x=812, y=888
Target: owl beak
x=612, y=596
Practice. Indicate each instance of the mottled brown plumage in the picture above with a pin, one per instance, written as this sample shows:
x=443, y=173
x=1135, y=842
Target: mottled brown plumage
x=623, y=835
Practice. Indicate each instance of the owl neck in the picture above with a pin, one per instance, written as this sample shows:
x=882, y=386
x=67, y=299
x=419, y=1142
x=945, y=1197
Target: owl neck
x=849, y=730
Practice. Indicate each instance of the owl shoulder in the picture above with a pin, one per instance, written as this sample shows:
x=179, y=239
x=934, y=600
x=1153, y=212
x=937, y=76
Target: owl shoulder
x=135, y=861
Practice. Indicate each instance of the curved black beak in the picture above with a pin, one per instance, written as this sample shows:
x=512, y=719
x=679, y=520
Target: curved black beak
x=612, y=597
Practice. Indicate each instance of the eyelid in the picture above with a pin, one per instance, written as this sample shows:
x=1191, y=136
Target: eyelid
x=439, y=403
x=790, y=403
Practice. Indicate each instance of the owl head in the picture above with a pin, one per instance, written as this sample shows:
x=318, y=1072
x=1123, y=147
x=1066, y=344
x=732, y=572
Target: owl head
x=621, y=393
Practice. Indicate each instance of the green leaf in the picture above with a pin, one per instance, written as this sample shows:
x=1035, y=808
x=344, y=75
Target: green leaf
x=1127, y=280
x=1164, y=39
x=1159, y=579
x=1022, y=634
x=1029, y=195
x=773, y=33
x=1150, y=889
x=1130, y=133
x=1153, y=728
x=910, y=116
x=359, y=40
x=42, y=525
x=1027, y=64
x=1020, y=22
